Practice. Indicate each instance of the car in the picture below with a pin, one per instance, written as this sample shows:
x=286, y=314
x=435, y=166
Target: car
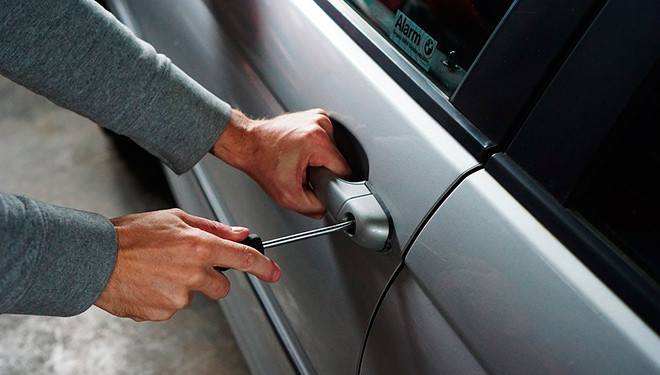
x=504, y=156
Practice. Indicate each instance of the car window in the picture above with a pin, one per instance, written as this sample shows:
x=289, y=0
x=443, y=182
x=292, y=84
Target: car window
x=623, y=199
x=442, y=37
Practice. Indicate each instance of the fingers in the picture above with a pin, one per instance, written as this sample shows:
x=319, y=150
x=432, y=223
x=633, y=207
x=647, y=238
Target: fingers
x=230, y=254
x=215, y=285
x=320, y=111
x=225, y=251
x=332, y=159
x=163, y=256
x=324, y=152
x=301, y=200
x=216, y=228
x=243, y=258
x=323, y=120
x=314, y=207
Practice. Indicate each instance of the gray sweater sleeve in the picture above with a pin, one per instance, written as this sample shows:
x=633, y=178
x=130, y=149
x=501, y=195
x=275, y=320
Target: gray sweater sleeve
x=56, y=261
x=53, y=261
x=79, y=56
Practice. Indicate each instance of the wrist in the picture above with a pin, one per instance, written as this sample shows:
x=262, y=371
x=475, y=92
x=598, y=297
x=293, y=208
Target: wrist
x=232, y=144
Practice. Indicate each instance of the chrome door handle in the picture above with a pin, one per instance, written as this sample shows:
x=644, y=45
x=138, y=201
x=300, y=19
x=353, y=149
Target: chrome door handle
x=345, y=200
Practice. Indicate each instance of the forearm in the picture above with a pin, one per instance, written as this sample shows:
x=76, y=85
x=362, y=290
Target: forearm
x=53, y=260
x=80, y=57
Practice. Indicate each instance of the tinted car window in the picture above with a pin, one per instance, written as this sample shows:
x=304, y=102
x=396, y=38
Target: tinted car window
x=442, y=37
x=623, y=200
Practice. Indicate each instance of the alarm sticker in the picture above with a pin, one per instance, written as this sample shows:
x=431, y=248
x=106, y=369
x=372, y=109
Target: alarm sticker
x=413, y=40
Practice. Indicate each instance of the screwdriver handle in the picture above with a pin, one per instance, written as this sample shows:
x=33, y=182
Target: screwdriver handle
x=253, y=241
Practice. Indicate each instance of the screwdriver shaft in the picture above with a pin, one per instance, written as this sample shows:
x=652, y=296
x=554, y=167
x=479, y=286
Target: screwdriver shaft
x=308, y=234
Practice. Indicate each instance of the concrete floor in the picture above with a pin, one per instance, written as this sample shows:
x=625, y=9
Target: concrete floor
x=56, y=156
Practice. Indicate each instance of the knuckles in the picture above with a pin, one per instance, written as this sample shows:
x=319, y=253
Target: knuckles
x=178, y=301
x=220, y=228
x=153, y=315
x=199, y=247
x=159, y=316
x=196, y=281
x=315, y=133
x=224, y=291
x=221, y=292
x=247, y=259
x=176, y=212
x=286, y=199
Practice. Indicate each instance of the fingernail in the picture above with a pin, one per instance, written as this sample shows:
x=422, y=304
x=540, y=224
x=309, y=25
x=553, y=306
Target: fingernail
x=238, y=229
x=276, y=274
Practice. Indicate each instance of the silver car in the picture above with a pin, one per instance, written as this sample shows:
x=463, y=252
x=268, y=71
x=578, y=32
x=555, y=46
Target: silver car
x=503, y=155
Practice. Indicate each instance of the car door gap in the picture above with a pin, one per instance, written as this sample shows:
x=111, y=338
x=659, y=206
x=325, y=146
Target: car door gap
x=372, y=319
x=407, y=247
x=437, y=204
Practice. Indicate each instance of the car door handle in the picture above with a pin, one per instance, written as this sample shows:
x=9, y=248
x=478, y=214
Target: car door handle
x=347, y=200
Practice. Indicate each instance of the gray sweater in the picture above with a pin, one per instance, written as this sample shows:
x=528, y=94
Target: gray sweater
x=54, y=260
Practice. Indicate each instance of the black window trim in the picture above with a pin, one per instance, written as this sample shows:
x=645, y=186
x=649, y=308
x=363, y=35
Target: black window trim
x=548, y=186
x=556, y=126
x=510, y=72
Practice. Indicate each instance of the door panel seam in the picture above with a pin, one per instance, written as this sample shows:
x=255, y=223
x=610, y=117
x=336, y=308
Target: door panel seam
x=407, y=247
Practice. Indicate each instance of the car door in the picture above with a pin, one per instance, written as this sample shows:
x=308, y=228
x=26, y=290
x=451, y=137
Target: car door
x=267, y=57
x=417, y=129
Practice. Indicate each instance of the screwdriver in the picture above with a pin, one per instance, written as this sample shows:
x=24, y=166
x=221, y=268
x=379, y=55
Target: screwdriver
x=255, y=241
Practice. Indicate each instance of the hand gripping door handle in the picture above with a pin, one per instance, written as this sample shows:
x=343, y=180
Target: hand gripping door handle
x=346, y=200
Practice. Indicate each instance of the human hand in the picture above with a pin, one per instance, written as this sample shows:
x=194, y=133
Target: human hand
x=276, y=153
x=164, y=256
